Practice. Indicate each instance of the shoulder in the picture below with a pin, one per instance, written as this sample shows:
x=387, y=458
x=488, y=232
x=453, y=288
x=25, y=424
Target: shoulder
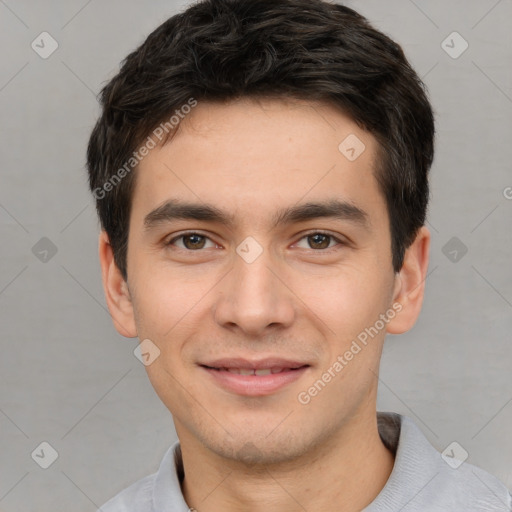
x=472, y=486
x=157, y=492
x=448, y=483
x=424, y=479
x=135, y=498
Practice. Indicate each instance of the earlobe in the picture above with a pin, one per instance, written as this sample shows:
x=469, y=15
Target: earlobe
x=410, y=283
x=116, y=290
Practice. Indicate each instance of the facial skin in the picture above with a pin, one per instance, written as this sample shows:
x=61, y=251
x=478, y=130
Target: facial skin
x=297, y=300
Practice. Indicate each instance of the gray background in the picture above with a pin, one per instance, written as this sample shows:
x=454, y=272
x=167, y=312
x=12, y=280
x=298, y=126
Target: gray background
x=68, y=378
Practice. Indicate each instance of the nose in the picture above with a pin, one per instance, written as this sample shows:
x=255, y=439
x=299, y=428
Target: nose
x=254, y=297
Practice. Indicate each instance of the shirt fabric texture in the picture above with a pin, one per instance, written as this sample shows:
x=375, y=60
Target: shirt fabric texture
x=421, y=480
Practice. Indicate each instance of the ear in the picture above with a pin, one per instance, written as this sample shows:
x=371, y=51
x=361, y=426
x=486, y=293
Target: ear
x=410, y=284
x=116, y=290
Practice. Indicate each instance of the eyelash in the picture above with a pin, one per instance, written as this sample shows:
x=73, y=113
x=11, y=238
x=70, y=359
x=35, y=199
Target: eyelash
x=306, y=235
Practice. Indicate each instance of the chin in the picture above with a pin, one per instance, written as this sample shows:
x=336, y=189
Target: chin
x=255, y=448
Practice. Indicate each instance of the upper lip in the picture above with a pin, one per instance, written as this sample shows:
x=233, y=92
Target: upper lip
x=270, y=362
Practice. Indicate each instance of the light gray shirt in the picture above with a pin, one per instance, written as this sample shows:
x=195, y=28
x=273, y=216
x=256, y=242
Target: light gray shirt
x=421, y=480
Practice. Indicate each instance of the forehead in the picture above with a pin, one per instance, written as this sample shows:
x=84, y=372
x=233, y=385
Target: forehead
x=254, y=157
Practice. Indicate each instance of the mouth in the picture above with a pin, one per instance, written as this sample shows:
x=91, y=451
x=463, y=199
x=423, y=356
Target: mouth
x=252, y=371
x=254, y=378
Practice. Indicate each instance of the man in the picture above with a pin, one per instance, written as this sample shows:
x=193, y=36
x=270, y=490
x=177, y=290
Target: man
x=261, y=176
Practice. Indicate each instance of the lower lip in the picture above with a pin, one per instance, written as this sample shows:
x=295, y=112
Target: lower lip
x=254, y=385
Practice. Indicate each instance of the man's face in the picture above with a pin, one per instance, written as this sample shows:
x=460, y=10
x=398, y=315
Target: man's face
x=266, y=290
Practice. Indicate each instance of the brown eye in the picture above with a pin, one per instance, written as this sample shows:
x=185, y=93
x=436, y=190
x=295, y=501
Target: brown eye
x=320, y=241
x=190, y=241
x=194, y=241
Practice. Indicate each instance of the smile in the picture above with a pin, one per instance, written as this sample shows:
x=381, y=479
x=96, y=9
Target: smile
x=252, y=371
x=254, y=379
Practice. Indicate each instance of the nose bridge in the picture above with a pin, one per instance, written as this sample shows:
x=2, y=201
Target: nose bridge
x=254, y=280
x=253, y=297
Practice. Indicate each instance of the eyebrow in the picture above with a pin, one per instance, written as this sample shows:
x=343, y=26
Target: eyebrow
x=178, y=210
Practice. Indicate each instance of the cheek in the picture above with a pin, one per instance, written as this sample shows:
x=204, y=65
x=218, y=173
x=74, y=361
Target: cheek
x=165, y=300
x=349, y=301
x=351, y=308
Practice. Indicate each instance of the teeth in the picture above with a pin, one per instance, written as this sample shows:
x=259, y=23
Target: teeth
x=250, y=371
x=265, y=371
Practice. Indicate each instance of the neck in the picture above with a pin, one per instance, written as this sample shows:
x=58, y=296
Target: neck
x=343, y=475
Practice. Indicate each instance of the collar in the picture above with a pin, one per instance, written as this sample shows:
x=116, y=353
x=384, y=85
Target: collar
x=420, y=480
